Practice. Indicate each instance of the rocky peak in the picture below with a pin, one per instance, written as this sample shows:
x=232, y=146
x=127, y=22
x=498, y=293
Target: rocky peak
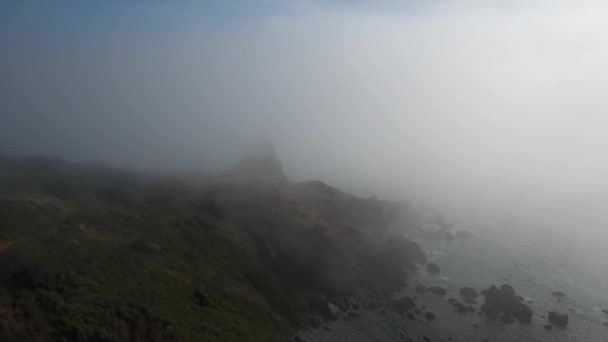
x=260, y=163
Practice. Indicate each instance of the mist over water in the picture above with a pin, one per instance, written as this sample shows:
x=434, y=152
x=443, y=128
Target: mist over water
x=492, y=112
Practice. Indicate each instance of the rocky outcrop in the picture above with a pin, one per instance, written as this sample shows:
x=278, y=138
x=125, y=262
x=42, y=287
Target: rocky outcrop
x=557, y=318
x=503, y=301
x=260, y=163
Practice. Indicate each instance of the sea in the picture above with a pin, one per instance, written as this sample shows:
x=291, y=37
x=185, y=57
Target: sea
x=535, y=258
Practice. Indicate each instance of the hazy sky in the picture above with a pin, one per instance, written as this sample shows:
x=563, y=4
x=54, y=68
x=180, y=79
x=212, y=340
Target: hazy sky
x=378, y=96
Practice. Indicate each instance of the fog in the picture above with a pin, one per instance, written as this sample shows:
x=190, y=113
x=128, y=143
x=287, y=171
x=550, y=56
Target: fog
x=482, y=104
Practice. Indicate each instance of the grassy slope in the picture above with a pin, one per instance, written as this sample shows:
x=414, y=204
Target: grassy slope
x=89, y=253
x=99, y=254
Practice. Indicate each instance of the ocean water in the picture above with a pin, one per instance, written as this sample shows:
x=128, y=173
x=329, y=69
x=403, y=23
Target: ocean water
x=535, y=261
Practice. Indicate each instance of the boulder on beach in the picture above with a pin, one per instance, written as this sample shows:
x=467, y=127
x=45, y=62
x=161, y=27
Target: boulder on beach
x=433, y=268
x=557, y=318
x=468, y=292
x=438, y=290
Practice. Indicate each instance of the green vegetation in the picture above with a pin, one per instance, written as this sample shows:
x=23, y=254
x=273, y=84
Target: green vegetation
x=96, y=254
x=91, y=253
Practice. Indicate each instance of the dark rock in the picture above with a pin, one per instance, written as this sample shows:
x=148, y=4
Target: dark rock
x=470, y=308
x=605, y=323
x=605, y=311
x=298, y=338
x=559, y=319
x=461, y=308
x=548, y=326
x=507, y=290
x=404, y=304
x=315, y=322
x=504, y=301
x=475, y=326
x=522, y=312
x=417, y=311
x=452, y=301
x=326, y=328
x=468, y=292
x=507, y=319
x=411, y=316
x=382, y=311
x=426, y=338
x=558, y=294
x=421, y=288
x=470, y=301
x=432, y=268
x=438, y=290
x=430, y=316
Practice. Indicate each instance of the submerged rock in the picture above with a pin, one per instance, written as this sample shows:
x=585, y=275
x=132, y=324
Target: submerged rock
x=559, y=319
x=438, y=290
x=403, y=305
